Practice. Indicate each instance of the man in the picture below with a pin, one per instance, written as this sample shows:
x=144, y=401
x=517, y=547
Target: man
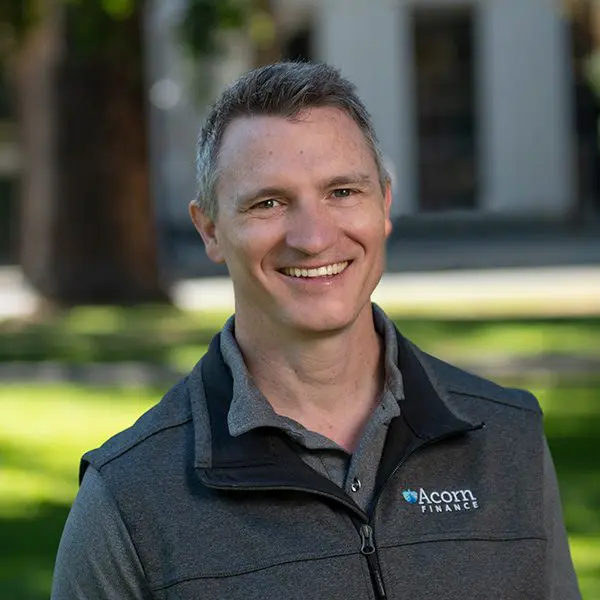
x=314, y=452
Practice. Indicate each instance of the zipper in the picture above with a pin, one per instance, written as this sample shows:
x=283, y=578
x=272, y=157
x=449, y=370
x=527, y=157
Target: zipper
x=365, y=530
x=368, y=547
x=370, y=551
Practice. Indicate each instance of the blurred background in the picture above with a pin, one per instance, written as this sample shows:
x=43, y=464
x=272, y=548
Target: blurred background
x=488, y=115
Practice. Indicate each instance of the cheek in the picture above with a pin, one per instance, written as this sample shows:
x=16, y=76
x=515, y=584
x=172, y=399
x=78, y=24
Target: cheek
x=249, y=245
x=370, y=226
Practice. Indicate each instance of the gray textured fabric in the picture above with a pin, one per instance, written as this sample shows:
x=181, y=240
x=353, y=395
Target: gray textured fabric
x=356, y=472
x=96, y=557
x=145, y=524
x=562, y=585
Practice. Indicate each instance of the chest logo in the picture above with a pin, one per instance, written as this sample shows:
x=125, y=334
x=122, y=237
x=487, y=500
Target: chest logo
x=435, y=501
x=411, y=496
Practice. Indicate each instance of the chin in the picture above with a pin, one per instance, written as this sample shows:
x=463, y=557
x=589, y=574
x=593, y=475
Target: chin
x=327, y=320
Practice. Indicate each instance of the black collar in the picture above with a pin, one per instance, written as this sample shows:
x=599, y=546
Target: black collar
x=266, y=458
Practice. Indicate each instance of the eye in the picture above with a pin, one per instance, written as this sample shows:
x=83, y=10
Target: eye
x=266, y=204
x=342, y=193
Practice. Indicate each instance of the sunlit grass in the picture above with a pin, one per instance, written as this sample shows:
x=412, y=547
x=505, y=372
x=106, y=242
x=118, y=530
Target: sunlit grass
x=183, y=358
x=166, y=335
x=44, y=430
x=586, y=556
x=43, y=433
x=464, y=338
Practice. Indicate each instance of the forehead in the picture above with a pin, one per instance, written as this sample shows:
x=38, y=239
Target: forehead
x=318, y=142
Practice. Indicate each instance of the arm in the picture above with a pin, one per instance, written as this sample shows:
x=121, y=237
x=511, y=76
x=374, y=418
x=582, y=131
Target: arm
x=562, y=582
x=96, y=558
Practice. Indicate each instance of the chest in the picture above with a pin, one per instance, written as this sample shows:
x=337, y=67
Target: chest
x=445, y=524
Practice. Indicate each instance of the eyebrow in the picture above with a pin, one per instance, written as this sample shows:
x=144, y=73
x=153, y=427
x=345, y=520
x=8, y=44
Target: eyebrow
x=358, y=179
x=266, y=192
x=348, y=179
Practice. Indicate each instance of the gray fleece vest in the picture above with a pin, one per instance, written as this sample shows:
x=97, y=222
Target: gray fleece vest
x=459, y=508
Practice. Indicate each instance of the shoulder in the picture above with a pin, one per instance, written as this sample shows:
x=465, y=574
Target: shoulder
x=165, y=426
x=461, y=383
x=94, y=535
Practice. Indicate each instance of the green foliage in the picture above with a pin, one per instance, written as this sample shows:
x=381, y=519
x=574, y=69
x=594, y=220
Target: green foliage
x=169, y=336
x=95, y=26
x=17, y=16
x=116, y=9
x=102, y=25
x=158, y=335
x=119, y=10
x=203, y=19
x=591, y=69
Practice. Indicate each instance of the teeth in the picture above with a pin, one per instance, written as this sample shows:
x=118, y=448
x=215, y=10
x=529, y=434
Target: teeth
x=324, y=271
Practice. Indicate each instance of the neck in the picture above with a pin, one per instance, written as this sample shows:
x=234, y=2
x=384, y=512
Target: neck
x=330, y=384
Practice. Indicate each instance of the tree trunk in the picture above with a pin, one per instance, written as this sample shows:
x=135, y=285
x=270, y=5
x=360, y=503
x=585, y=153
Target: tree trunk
x=88, y=229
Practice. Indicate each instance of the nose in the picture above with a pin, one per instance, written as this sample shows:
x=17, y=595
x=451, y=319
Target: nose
x=312, y=229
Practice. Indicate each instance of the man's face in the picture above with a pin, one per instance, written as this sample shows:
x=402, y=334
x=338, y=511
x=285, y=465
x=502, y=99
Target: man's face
x=302, y=221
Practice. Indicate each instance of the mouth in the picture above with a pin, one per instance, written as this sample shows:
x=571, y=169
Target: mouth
x=329, y=270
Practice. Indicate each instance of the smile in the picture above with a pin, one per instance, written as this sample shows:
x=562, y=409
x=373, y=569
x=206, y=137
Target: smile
x=324, y=271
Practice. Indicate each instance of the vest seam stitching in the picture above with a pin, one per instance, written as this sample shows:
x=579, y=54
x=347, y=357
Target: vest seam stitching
x=457, y=392
x=476, y=538
x=117, y=454
x=249, y=570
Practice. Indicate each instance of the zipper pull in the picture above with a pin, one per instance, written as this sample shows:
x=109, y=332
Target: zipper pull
x=366, y=537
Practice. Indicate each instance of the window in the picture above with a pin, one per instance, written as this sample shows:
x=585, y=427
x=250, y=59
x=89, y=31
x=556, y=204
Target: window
x=4, y=100
x=585, y=44
x=7, y=220
x=299, y=45
x=8, y=179
x=445, y=101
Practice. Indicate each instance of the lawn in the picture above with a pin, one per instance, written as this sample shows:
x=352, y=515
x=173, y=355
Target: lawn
x=176, y=338
x=45, y=429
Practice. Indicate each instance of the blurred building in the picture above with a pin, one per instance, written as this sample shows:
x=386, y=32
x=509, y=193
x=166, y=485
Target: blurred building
x=481, y=107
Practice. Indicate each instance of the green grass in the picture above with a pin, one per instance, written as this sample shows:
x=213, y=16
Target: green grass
x=572, y=423
x=45, y=429
x=43, y=433
x=163, y=335
x=159, y=335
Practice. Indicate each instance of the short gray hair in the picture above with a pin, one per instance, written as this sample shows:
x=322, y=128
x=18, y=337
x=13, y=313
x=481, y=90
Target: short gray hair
x=281, y=89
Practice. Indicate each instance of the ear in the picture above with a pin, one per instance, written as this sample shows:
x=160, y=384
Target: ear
x=207, y=229
x=387, y=208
